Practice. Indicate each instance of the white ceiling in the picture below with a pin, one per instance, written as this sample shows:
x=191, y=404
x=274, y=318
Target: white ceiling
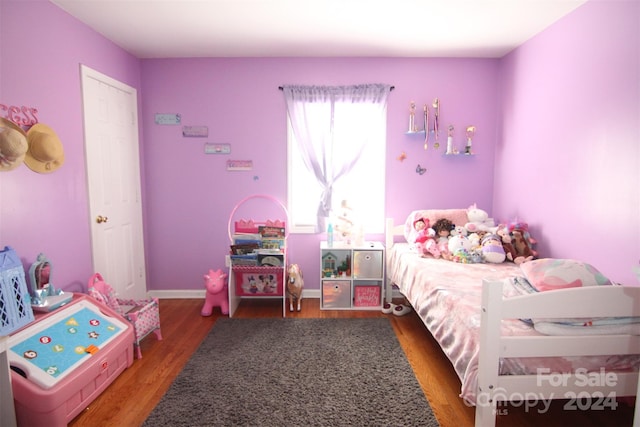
x=318, y=28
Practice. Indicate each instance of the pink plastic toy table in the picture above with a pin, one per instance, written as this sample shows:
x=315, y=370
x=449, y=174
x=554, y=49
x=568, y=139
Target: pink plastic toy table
x=63, y=360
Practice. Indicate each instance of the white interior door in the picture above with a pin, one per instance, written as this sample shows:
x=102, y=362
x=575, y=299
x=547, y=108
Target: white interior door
x=113, y=173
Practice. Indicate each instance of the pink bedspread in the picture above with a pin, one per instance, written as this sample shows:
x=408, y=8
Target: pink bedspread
x=447, y=297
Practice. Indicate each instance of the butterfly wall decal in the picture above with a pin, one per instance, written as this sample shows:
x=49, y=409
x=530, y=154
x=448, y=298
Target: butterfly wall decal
x=420, y=170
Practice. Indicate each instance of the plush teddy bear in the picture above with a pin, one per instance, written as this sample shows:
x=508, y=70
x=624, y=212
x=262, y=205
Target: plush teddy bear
x=509, y=250
x=478, y=220
x=523, y=229
x=523, y=251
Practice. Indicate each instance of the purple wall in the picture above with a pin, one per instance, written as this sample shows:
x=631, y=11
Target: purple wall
x=190, y=195
x=560, y=115
x=569, y=158
x=42, y=48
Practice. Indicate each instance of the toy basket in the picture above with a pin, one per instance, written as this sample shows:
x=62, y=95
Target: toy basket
x=258, y=281
x=143, y=314
x=15, y=302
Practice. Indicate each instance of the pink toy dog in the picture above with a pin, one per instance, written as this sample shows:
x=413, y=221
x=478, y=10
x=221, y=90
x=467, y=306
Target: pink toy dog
x=217, y=296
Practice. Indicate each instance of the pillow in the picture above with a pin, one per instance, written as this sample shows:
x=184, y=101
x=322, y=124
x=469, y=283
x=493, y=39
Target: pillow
x=456, y=216
x=547, y=274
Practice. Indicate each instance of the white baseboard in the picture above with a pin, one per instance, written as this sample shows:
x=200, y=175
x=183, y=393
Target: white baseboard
x=199, y=294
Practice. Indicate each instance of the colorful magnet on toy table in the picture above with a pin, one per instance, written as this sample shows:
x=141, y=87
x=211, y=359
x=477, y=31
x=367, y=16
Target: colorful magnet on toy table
x=92, y=349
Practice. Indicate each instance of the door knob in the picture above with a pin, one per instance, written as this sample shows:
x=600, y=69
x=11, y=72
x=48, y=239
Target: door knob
x=100, y=219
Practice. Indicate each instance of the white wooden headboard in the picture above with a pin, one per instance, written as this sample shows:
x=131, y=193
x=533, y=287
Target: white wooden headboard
x=391, y=231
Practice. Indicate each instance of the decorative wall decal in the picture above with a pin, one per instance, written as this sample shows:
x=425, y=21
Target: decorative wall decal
x=420, y=170
x=211, y=148
x=22, y=116
x=402, y=156
x=168, y=119
x=239, y=165
x=195, y=131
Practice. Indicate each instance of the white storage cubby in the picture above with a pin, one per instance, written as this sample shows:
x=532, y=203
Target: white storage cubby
x=352, y=276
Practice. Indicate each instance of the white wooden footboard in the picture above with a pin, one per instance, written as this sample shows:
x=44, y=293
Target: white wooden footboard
x=596, y=301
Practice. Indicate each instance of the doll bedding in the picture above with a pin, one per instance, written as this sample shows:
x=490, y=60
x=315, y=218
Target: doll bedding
x=447, y=297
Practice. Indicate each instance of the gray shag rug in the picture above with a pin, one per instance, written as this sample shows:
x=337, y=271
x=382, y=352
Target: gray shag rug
x=296, y=372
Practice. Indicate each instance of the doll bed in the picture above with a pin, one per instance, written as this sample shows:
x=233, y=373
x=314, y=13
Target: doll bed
x=463, y=306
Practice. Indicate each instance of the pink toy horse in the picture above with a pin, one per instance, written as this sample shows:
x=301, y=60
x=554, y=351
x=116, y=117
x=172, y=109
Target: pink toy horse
x=294, y=285
x=216, y=284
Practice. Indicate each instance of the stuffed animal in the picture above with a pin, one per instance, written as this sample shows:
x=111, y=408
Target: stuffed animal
x=459, y=230
x=424, y=241
x=216, y=285
x=295, y=283
x=475, y=239
x=442, y=229
x=492, y=249
x=459, y=247
x=509, y=250
x=461, y=256
x=523, y=228
x=478, y=220
x=523, y=251
x=476, y=256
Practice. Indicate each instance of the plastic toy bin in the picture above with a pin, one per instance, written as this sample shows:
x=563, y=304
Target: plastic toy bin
x=367, y=264
x=258, y=281
x=336, y=294
x=15, y=302
x=367, y=294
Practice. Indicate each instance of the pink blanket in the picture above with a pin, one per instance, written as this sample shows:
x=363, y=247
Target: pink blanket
x=447, y=297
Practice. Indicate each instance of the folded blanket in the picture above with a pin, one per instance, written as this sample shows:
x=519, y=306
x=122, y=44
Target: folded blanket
x=580, y=325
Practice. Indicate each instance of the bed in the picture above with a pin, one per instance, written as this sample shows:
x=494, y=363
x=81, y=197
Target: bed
x=509, y=341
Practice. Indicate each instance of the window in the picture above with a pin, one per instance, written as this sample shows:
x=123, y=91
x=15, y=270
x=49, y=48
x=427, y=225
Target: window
x=336, y=153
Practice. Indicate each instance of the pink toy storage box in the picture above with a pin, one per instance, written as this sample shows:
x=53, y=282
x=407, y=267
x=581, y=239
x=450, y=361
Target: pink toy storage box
x=85, y=346
x=258, y=281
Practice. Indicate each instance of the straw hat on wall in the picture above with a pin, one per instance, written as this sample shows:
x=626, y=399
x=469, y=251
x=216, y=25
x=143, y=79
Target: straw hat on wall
x=45, y=153
x=13, y=145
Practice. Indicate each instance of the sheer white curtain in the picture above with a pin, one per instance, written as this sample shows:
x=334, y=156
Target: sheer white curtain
x=330, y=139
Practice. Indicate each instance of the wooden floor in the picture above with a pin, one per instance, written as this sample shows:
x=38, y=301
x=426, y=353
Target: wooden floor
x=128, y=401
